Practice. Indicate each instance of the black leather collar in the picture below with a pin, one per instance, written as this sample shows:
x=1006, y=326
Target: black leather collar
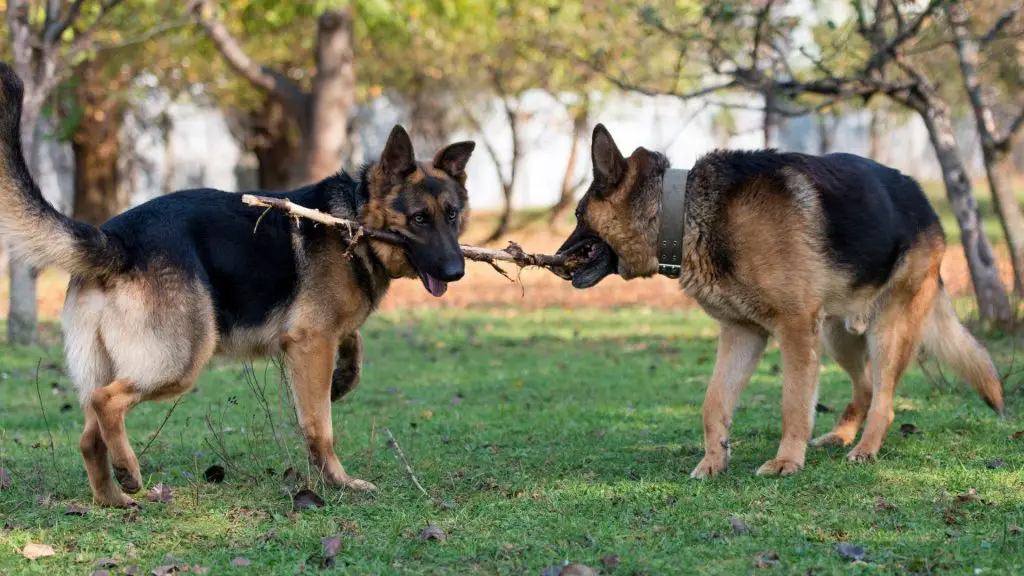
x=670, y=231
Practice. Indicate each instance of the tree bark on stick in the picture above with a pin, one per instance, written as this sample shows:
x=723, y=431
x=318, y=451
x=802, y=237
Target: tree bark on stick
x=354, y=231
x=995, y=146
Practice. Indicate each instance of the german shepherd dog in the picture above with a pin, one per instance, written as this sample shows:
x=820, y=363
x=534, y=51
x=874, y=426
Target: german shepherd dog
x=160, y=288
x=833, y=248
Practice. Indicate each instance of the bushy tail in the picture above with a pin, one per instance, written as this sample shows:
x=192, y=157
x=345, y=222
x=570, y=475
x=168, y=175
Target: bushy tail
x=948, y=340
x=32, y=229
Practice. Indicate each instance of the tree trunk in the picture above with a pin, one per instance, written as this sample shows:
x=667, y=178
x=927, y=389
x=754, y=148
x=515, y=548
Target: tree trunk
x=769, y=120
x=273, y=146
x=326, y=128
x=875, y=134
x=999, y=167
x=825, y=135
x=96, y=145
x=505, y=219
x=569, y=186
x=22, y=316
x=993, y=303
x=996, y=154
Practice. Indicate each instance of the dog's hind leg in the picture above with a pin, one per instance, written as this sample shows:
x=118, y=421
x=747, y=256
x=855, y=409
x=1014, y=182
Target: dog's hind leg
x=309, y=355
x=850, y=351
x=105, y=491
x=799, y=343
x=349, y=366
x=111, y=403
x=893, y=341
x=739, y=349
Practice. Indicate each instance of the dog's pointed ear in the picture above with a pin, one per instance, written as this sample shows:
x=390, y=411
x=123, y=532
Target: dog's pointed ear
x=398, y=159
x=453, y=159
x=608, y=161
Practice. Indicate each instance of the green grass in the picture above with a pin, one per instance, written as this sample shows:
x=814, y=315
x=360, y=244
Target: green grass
x=573, y=440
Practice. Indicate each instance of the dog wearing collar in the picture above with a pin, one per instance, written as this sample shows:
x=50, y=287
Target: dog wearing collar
x=156, y=291
x=835, y=250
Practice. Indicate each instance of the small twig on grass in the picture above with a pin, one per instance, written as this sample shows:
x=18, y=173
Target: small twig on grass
x=46, y=422
x=161, y=426
x=408, y=468
x=513, y=253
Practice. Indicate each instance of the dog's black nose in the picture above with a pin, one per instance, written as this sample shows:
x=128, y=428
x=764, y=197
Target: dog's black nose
x=452, y=271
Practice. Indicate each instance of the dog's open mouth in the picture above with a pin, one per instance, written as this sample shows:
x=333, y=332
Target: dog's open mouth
x=436, y=287
x=595, y=258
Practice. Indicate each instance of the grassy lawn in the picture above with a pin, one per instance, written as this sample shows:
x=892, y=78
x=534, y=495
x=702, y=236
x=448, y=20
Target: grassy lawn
x=549, y=436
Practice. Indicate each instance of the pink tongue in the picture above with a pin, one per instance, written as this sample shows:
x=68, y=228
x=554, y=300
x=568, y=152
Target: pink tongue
x=435, y=286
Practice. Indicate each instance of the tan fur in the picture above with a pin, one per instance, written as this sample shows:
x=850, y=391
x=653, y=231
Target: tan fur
x=783, y=282
x=147, y=336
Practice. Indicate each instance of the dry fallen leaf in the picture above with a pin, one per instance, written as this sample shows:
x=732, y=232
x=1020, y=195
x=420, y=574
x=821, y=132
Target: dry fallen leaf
x=610, y=562
x=75, y=510
x=882, y=505
x=34, y=551
x=164, y=570
x=970, y=496
x=214, y=474
x=105, y=562
x=240, y=562
x=739, y=526
x=306, y=499
x=5, y=479
x=200, y=569
x=574, y=569
x=433, y=533
x=1016, y=530
x=331, y=545
x=160, y=493
x=851, y=552
x=908, y=429
x=263, y=538
x=1019, y=434
x=131, y=570
x=99, y=573
x=765, y=559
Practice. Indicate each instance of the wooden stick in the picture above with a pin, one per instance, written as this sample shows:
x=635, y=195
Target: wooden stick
x=408, y=468
x=513, y=253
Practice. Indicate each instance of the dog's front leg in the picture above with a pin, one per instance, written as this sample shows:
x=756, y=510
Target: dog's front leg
x=739, y=349
x=309, y=355
x=349, y=366
x=800, y=343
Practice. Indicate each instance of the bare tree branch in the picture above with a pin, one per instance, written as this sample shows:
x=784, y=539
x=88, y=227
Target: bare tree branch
x=55, y=26
x=277, y=85
x=1011, y=130
x=889, y=49
x=1007, y=17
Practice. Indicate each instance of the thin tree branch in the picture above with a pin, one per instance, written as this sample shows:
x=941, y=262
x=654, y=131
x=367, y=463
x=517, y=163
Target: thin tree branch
x=355, y=231
x=1011, y=130
x=888, y=51
x=55, y=26
x=1003, y=20
x=272, y=82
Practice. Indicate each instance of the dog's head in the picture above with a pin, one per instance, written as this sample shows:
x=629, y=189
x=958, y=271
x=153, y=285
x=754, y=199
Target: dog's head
x=616, y=220
x=425, y=203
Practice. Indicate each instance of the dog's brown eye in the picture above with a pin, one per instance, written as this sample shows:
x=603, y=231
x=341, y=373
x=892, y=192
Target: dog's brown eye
x=452, y=213
x=419, y=218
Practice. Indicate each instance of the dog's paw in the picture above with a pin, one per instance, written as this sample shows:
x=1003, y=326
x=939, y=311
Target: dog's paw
x=831, y=439
x=859, y=454
x=118, y=500
x=130, y=482
x=361, y=485
x=779, y=467
x=709, y=466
